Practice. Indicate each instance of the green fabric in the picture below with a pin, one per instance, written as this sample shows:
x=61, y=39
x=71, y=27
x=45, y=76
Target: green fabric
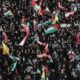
x=45, y=24
x=50, y=30
x=14, y=66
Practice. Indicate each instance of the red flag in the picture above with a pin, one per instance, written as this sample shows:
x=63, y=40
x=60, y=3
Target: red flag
x=47, y=70
x=5, y=37
x=33, y=3
x=41, y=55
x=78, y=38
x=23, y=20
x=45, y=53
x=25, y=29
x=41, y=43
x=56, y=26
x=61, y=7
x=40, y=12
x=41, y=1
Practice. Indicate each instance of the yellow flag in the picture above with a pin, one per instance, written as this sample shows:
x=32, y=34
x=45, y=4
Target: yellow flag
x=43, y=76
x=56, y=19
x=5, y=49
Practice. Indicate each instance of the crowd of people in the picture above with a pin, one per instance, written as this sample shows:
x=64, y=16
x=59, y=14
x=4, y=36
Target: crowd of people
x=42, y=39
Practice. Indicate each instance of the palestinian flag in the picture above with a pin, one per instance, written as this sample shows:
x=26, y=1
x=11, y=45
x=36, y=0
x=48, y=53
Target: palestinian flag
x=8, y=13
x=13, y=58
x=50, y=22
x=35, y=6
x=23, y=41
x=25, y=27
x=51, y=29
x=40, y=12
x=47, y=23
x=47, y=9
x=67, y=14
x=61, y=7
x=40, y=3
x=41, y=43
x=25, y=24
